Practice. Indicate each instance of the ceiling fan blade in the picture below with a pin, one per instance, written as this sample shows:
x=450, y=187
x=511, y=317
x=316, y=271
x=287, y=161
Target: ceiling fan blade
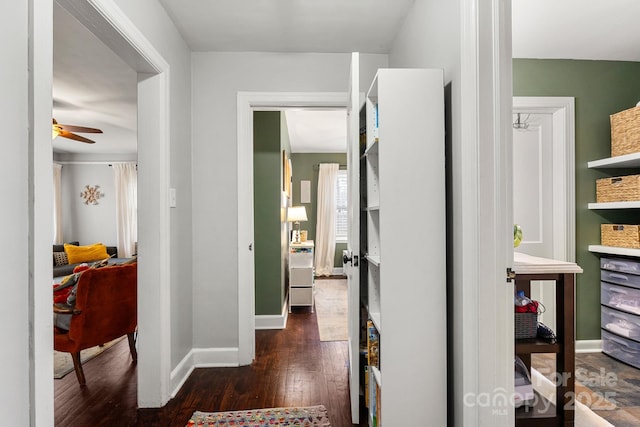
x=66, y=134
x=72, y=128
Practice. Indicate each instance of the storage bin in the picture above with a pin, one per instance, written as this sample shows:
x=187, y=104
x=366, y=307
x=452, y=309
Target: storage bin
x=625, y=132
x=525, y=325
x=301, y=260
x=301, y=296
x=622, y=349
x=624, y=279
x=620, y=235
x=622, y=324
x=620, y=297
x=618, y=189
x=621, y=265
x=301, y=276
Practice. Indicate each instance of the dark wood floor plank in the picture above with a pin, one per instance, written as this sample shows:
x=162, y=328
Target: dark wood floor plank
x=292, y=368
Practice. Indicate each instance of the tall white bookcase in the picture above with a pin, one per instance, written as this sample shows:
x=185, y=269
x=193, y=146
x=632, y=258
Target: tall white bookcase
x=405, y=249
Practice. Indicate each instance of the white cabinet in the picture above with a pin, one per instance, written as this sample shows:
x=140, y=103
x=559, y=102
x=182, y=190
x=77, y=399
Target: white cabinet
x=404, y=214
x=301, y=280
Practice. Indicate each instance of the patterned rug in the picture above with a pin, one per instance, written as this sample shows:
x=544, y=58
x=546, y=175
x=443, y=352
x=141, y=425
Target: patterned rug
x=302, y=416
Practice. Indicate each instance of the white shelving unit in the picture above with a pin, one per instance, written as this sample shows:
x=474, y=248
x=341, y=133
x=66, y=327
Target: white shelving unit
x=626, y=161
x=405, y=244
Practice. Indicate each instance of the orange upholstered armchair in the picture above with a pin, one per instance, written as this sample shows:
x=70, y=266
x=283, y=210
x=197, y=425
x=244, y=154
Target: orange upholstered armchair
x=106, y=308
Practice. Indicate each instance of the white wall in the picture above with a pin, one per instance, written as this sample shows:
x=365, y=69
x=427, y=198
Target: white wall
x=217, y=78
x=88, y=224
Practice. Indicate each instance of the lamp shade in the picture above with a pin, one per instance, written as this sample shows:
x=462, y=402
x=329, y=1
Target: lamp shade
x=296, y=213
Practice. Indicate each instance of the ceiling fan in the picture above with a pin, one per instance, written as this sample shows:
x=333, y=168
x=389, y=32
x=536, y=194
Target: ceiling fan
x=66, y=131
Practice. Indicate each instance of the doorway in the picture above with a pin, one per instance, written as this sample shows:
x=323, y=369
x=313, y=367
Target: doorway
x=544, y=184
x=289, y=147
x=108, y=24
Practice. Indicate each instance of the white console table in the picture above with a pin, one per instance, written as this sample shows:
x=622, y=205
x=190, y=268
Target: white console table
x=301, y=280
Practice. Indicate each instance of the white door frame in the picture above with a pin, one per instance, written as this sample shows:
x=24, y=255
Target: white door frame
x=482, y=344
x=248, y=102
x=563, y=168
x=109, y=23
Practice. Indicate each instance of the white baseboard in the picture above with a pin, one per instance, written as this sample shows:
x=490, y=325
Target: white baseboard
x=201, y=358
x=589, y=346
x=338, y=271
x=273, y=321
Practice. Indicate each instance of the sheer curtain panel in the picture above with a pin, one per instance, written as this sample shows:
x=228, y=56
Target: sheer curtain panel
x=126, y=181
x=325, y=225
x=57, y=203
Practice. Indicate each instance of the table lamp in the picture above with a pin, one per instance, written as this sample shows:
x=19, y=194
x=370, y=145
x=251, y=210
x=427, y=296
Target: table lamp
x=296, y=214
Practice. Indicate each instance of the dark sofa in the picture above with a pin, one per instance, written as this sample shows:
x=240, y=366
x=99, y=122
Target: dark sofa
x=66, y=269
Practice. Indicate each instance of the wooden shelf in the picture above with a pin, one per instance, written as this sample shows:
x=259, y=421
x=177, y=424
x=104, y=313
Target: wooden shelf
x=627, y=161
x=532, y=415
x=615, y=205
x=526, y=346
x=614, y=250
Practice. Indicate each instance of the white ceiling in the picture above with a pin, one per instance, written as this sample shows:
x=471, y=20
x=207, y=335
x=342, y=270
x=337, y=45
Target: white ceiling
x=576, y=29
x=289, y=25
x=93, y=87
x=317, y=131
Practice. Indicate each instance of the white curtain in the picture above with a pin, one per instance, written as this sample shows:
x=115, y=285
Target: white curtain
x=126, y=181
x=326, y=218
x=57, y=203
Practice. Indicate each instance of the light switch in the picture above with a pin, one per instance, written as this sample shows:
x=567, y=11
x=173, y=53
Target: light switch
x=172, y=197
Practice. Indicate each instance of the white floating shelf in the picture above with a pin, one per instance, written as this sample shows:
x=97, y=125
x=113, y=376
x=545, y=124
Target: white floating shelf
x=627, y=161
x=375, y=260
x=615, y=205
x=372, y=150
x=375, y=318
x=614, y=250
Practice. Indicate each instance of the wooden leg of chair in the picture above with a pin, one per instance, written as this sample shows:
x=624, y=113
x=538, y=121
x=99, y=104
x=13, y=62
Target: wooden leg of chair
x=78, y=368
x=132, y=347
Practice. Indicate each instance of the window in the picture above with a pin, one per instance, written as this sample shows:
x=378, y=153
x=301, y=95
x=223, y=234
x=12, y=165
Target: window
x=342, y=215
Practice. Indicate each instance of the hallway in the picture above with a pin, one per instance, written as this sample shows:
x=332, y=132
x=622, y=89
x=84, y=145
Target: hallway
x=292, y=368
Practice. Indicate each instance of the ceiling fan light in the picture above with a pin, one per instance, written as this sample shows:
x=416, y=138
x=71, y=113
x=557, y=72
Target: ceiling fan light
x=54, y=133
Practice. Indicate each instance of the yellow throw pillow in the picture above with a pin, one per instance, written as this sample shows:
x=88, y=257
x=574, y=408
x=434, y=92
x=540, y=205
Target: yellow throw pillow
x=78, y=254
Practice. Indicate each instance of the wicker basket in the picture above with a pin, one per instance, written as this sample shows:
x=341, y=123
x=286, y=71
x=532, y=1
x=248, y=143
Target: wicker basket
x=620, y=236
x=525, y=325
x=618, y=189
x=625, y=132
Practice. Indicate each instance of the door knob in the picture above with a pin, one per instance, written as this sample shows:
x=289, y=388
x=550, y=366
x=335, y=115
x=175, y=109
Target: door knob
x=346, y=259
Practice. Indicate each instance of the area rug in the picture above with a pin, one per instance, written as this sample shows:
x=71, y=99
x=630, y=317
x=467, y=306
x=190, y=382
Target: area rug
x=63, y=363
x=331, y=309
x=302, y=416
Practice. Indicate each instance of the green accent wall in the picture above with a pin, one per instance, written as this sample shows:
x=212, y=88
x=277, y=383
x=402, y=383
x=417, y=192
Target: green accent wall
x=305, y=168
x=269, y=227
x=600, y=88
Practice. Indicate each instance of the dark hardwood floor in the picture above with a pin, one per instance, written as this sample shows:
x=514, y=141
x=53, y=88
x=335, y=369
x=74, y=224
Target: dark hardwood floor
x=292, y=368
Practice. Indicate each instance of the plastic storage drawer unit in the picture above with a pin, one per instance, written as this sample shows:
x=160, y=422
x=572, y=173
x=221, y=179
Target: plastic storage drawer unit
x=620, y=297
x=624, y=279
x=622, y=349
x=623, y=324
x=621, y=265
